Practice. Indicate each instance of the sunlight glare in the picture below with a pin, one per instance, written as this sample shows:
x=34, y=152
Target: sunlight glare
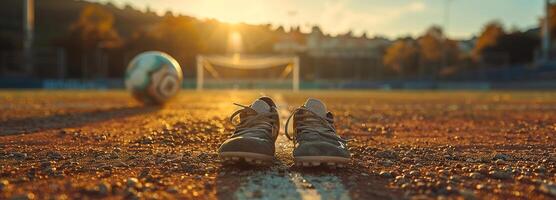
x=236, y=58
x=235, y=42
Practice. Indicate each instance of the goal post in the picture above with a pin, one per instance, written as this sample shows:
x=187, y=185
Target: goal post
x=207, y=64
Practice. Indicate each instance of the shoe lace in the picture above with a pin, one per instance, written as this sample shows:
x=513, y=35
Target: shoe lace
x=252, y=121
x=312, y=123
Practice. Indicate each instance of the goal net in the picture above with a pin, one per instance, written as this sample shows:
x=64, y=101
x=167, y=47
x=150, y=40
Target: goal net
x=247, y=71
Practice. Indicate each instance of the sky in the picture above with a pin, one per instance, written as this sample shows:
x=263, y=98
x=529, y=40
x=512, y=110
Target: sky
x=390, y=18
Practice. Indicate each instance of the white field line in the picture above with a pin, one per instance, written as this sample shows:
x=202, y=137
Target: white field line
x=272, y=184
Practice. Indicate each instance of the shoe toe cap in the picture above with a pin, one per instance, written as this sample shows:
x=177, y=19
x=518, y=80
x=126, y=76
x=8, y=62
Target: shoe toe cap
x=248, y=144
x=320, y=149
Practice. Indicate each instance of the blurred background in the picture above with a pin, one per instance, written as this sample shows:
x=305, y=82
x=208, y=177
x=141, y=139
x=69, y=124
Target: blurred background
x=405, y=44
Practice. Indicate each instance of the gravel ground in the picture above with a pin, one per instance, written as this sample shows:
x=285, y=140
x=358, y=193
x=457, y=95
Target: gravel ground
x=404, y=145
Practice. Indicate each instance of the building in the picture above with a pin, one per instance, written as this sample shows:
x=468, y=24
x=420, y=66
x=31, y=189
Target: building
x=317, y=44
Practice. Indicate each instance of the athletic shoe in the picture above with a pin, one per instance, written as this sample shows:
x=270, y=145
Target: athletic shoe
x=255, y=134
x=315, y=138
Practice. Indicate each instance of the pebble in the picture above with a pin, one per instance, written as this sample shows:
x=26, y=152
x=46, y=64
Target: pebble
x=120, y=164
x=210, y=169
x=4, y=184
x=147, y=140
x=104, y=188
x=144, y=173
x=498, y=174
x=54, y=155
x=475, y=175
x=420, y=184
x=465, y=169
x=482, y=169
x=132, y=194
x=387, y=163
x=407, y=160
x=522, y=178
x=401, y=179
x=114, y=155
x=455, y=178
x=203, y=156
x=540, y=169
x=19, y=155
x=501, y=156
x=499, y=162
x=172, y=190
x=386, y=154
x=444, y=172
x=386, y=174
x=133, y=182
x=414, y=173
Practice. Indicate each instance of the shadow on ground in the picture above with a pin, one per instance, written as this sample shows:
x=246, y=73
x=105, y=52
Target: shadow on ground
x=41, y=123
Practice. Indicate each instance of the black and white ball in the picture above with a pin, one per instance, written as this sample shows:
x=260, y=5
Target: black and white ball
x=153, y=77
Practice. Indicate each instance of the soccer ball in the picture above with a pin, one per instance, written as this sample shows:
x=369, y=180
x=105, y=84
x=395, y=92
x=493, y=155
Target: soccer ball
x=153, y=77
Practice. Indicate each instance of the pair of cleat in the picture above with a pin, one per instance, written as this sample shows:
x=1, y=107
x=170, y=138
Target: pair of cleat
x=315, y=140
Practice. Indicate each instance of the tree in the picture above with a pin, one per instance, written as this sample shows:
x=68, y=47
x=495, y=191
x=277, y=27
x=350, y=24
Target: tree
x=497, y=47
x=518, y=47
x=402, y=56
x=175, y=35
x=436, y=50
x=423, y=56
x=552, y=20
x=94, y=29
x=91, y=35
x=488, y=38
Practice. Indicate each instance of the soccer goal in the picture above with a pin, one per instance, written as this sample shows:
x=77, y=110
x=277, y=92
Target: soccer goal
x=247, y=71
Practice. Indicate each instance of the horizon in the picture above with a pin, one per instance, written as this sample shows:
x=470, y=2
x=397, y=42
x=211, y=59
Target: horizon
x=376, y=18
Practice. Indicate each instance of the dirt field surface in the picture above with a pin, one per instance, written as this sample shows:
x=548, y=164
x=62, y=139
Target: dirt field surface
x=404, y=145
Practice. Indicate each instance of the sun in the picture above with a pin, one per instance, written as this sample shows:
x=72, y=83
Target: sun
x=235, y=42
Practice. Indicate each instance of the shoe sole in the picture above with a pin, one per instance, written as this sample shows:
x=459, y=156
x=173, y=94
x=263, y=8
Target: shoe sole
x=312, y=161
x=251, y=158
